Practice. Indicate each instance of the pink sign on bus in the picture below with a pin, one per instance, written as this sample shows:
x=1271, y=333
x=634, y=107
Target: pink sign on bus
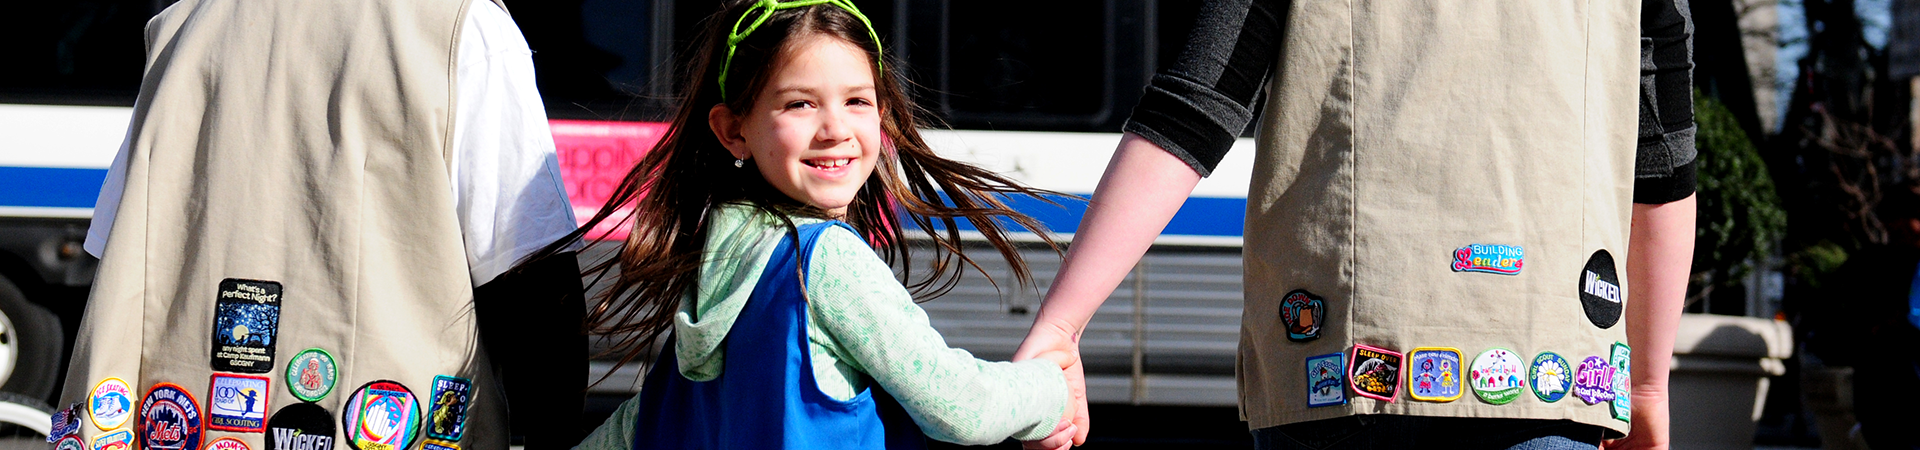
x=594, y=156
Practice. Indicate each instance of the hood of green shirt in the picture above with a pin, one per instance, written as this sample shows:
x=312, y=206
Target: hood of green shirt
x=739, y=241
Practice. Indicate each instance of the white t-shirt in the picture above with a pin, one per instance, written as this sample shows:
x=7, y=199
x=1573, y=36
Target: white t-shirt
x=506, y=178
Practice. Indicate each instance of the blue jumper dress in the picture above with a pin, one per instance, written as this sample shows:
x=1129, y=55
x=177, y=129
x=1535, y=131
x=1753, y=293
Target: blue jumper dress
x=766, y=398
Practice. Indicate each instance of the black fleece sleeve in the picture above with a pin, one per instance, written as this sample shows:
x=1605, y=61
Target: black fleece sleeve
x=1197, y=107
x=530, y=322
x=1664, y=166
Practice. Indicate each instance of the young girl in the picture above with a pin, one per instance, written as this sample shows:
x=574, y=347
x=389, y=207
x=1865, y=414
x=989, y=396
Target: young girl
x=757, y=220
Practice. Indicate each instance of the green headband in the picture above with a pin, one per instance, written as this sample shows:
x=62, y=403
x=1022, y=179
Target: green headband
x=769, y=7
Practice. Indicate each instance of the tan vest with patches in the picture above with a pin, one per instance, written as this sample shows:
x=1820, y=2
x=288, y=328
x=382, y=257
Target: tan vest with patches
x=1399, y=133
x=302, y=143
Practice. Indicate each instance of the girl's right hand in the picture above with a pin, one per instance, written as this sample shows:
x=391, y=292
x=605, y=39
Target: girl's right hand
x=1057, y=344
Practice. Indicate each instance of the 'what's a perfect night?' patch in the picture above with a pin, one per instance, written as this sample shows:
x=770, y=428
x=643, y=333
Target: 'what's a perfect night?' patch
x=246, y=318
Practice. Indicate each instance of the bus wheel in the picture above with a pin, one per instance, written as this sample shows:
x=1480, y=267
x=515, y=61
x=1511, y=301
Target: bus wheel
x=29, y=345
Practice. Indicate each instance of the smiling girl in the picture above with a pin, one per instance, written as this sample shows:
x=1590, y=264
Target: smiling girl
x=763, y=227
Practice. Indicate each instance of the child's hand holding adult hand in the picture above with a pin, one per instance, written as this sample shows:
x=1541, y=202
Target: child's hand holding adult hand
x=1066, y=431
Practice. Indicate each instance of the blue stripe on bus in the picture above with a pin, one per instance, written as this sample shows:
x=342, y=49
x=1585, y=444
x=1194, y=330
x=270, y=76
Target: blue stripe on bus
x=50, y=187
x=1199, y=216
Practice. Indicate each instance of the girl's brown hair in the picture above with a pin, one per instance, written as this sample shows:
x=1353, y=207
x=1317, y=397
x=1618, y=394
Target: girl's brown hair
x=688, y=173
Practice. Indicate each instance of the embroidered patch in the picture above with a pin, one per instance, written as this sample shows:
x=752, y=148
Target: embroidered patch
x=1326, y=380
x=1551, y=376
x=237, y=403
x=1375, y=372
x=110, y=404
x=1496, y=376
x=227, y=443
x=120, y=440
x=1303, y=313
x=447, y=416
x=381, y=415
x=169, y=419
x=1600, y=294
x=1489, y=258
x=1594, y=382
x=1433, y=374
x=72, y=443
x=438, y=445
x=245, y=319
x=300, y=426
x=311, y=374
x=1622, y=362
x=66, y=422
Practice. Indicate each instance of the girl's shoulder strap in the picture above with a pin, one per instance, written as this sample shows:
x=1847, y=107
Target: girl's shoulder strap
x=809, y=235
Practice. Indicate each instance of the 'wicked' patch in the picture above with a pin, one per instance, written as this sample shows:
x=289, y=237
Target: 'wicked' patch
x=246, y=317
x=1600, y=293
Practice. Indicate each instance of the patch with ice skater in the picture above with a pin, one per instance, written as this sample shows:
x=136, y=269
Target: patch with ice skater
x=1326, y=380
x=1303, y=313
x=1433, y=374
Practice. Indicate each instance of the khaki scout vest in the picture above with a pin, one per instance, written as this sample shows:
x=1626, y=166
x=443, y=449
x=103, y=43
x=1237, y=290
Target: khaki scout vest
x=294, y=151
x=1401, y=132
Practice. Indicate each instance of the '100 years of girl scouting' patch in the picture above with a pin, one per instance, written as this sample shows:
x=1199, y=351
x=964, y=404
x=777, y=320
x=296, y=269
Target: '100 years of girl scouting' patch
x=245, y=320
x=237, y=403
x=1496, y=376
x=1375, y=372
x=1550, y=376
x=1433, y=374
x=1326, y=380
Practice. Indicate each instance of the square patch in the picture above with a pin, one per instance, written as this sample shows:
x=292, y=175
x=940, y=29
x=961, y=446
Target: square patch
x=237, y=403
x=447, y=417
x=1375, y=372
x=1433, y=374
x=246, y=317
x=1326, y=380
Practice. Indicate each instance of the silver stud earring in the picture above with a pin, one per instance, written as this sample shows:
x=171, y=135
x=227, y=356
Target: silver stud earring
x=738, y=163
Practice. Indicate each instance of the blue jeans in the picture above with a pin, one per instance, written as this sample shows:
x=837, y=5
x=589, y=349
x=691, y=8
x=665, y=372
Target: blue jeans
x=1415, y=432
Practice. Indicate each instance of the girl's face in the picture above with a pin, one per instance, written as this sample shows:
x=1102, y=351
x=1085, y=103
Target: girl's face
x=814, y=131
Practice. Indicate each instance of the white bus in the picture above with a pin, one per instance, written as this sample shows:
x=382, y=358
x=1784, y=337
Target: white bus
x=1036, y=90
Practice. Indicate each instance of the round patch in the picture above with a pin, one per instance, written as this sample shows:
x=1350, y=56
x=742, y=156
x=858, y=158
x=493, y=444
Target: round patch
x=111, y=404
x=310, y=374
x=227, y=443
x=1593, y=383
x=169, y=419
x=381, y=415
x=1550, y=376
x=1600, y=294
x=70, y=443
x=1496, y=376
x=302, y=426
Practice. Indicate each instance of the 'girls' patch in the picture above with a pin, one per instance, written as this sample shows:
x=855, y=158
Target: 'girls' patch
x=227, y=443
x=1551, y=376
x=447, y=417
x=1375, y=372
x=381, y=415
x=246, y=316
x=73, y=443
x=1594, y=382
x=1622, y=362
x=110, y=404
x=237, y=403
x=169, y=419
x=1489, y=258
x=118, y=440
x=300, y=426
x=1600, y=294
x=1496, y=376
x=1303, y=313
x=1433, y=374
x=311, y=374
x=1326, y=380
x=66, y=422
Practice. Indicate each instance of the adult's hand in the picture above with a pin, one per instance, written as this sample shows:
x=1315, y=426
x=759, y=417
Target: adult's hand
x=1051, y=341
x=1659, y=259
x=1649, y=429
